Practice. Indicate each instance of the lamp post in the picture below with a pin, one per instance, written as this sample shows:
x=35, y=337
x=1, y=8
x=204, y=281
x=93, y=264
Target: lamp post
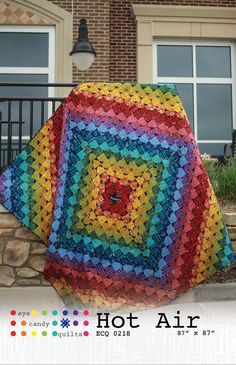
x=83, y=53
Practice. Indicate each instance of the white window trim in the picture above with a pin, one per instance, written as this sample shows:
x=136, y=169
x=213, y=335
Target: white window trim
x=194, y=79
x=50, y=70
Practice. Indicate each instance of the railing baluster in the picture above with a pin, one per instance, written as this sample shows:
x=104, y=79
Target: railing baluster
x=31, y=118
x=4, y=157
x=42, y=113
x=20, y=124
x=53, y=106
x=9, y=134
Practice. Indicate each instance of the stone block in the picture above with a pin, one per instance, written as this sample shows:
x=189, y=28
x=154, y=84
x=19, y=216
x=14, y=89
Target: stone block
x=7, y=276
x=28, y=282
x=8, y=221
x=6, y=232
x=26, y=272
x=45, y=282
x=38, y=248
x=16, y=253
x=1, y=245
x=230, y=219
x=26, y=234
x=37, y=262
x=2, y=209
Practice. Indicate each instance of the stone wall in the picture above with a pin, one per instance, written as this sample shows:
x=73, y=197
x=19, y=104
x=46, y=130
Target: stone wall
x=22, y=255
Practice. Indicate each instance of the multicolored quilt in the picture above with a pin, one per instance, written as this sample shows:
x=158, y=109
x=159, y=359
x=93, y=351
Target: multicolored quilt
x=115, y=185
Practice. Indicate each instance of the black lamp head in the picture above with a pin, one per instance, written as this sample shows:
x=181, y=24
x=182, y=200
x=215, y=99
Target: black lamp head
x=83, y=45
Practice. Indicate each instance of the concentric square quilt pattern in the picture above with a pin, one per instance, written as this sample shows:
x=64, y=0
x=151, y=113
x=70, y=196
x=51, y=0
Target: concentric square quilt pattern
x=115, y=185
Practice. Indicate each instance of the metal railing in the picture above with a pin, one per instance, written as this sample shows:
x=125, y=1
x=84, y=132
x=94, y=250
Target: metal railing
x=22, y=116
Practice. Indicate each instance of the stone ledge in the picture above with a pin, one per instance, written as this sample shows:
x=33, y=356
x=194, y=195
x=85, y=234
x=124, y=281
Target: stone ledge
x=209, y=293
x=216, y=291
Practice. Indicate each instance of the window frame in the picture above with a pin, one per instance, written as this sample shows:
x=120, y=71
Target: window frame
x=49, y=70
x=194, y=80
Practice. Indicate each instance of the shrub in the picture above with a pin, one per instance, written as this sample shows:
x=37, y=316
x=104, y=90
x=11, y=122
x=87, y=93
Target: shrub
x=223, y=178
x=227, y=180
x=212, y=169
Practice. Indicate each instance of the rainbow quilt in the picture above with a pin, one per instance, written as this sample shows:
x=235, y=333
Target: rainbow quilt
x=115, y=185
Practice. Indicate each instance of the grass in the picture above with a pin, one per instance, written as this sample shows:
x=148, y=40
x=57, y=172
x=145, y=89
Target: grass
x=223, y=179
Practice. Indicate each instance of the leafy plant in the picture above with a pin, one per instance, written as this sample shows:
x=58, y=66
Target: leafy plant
x=227, y=180
x=223, y=178
x=212, y=171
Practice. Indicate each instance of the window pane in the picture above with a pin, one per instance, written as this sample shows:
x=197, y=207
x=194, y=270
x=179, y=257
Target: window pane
x=213, y=61
x=213, y=149
x=174, y=61
x=24, y=49
x=214, y=108
x=22, y=92
x=186, y=95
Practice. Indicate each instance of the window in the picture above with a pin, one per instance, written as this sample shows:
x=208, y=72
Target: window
x=203, y=75
x=27, y=55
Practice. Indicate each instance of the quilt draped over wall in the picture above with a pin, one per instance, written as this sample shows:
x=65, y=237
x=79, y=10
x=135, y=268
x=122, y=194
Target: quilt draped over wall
x=115, y=185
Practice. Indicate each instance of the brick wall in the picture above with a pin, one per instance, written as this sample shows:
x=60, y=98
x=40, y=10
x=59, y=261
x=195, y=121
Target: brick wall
x=97, y=13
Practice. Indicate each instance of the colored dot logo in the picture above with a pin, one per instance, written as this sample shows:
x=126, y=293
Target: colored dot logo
x=65, y=323
x=69, y=319
x=13, y=322
x=86, y=322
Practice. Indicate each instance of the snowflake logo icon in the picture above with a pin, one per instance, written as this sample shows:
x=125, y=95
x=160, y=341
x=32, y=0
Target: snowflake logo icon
x=65, y=323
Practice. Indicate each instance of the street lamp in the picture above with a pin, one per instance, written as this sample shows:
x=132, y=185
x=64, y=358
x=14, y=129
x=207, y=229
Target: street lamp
x=83, y=53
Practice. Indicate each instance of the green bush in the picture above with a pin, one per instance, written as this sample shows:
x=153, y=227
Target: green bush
x=212, y=169
x=223, y=178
